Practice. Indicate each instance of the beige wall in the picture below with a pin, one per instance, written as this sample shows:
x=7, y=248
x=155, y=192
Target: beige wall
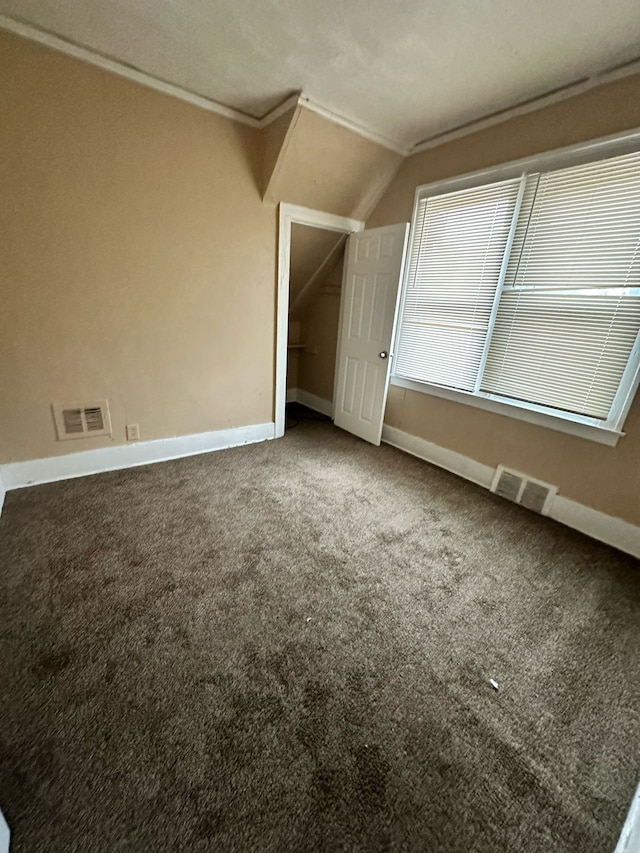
x=605, y=478
x=327, y=167
x=320, y=334
x=138, y=261
x=138, y=264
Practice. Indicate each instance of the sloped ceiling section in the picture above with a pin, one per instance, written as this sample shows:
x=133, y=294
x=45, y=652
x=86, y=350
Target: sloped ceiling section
x=323, y=165
x=314, y=252
x=326, y=280
x=309, y=248
x=273, y=140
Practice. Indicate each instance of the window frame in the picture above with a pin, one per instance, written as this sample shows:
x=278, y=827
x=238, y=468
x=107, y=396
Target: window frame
x=594, y=429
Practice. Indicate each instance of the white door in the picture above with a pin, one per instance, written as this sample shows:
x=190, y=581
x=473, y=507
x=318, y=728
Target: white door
x=371, y=286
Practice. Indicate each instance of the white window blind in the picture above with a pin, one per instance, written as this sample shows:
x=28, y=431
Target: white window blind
x=456, y=256
x=528, y=290
x=570, y=311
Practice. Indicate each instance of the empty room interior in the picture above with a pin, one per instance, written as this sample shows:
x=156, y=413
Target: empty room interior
x=319, y=432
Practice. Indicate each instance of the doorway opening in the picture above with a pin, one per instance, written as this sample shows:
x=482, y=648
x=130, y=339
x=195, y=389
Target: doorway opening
x=310, y=264
x=315, y=285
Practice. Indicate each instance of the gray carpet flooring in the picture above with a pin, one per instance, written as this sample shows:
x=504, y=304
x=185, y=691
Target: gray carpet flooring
x=289, y=647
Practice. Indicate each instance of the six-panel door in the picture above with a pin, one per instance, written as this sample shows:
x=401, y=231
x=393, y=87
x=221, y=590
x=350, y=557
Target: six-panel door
x=371, y=285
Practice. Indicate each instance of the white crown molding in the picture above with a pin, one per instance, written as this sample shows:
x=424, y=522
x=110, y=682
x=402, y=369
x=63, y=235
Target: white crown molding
x=107, y=63
x=534, y=104
x=289, y=104
x=606, y=528
x=33, y=472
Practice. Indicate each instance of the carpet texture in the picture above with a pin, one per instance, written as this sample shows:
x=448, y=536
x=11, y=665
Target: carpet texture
x=288, y=647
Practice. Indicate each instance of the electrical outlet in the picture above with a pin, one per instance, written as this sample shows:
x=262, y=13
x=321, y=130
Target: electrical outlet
x=133, y=432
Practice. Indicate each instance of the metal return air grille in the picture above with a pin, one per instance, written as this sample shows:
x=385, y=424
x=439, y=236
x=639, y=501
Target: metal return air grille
x=517, y=487
x=82, y=420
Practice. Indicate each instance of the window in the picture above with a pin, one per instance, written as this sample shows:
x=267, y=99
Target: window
x=524, y=292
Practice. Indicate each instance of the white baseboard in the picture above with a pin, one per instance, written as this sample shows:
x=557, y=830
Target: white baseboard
x=606, y=528
x=17, y=475
x=292, y=395
x=311, y=401
x=458, y=464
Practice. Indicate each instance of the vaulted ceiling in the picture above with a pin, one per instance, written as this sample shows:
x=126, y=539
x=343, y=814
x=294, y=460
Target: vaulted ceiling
x=404, y=69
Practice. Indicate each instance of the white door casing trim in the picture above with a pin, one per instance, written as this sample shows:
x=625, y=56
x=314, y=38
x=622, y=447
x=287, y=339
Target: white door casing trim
x=288, y=214
x=606, y=528
x=33, y=472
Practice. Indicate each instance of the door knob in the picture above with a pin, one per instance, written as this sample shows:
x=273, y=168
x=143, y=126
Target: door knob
x=383, y=354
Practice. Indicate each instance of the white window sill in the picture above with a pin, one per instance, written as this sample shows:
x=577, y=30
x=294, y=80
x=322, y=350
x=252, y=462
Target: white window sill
x=513, y=410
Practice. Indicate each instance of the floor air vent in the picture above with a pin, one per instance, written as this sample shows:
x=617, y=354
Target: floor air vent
x=508, y=485
x=521, y=489
x=82, y=420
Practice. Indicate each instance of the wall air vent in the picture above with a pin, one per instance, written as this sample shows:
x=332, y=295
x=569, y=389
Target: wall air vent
x=82, y=420
x=521, y=489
